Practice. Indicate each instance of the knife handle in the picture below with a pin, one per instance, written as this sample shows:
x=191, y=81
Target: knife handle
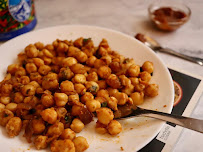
x=183, y=56
x=190, y=123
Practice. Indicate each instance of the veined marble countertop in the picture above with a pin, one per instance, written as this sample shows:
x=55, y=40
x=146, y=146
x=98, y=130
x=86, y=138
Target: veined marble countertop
x=131, y=17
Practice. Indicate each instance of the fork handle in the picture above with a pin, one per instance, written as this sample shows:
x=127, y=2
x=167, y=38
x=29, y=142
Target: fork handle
x=190, y=123
x=183, y=56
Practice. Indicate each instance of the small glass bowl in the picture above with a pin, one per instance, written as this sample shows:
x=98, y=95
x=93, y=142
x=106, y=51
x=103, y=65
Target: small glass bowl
x=169, y=25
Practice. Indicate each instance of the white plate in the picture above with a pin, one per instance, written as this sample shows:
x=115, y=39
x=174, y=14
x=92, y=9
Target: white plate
x=137, y=132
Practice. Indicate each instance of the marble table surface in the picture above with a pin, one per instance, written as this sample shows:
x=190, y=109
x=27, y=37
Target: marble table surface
x=130, y=17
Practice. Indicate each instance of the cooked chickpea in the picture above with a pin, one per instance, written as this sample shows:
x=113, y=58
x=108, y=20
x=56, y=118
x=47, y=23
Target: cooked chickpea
x=50, y=48
x=67, y=86
x=55, y=68
x=36, y=77
x=133, y=70
x=31, y=100
x=81, y=57
x=107, y=59
x=65, y=74
x=6, y=89
x=68, y=134
x=112, y=103
x=114, y=127
x=24, y=80
x=20, y=72
x=28, y=90
x=87, y=96
x=61, y=99
x=102, y=100
x=115, y=66
x=40, y=142
x=92, y=87
x=5, y=116
x=80, y=143
x=103, y=93
x=112, y=91
x=79, y=78
x=80, y=88
x=77, y=125
x=5, y=100
x=78, y=42
x=47, y=60
x=128, y=89
x=62, y=146
x=12, y=68
x=104, y=115
x=138, y=98
x=18, y=97
x=102, y=51
x=121, y=97
x=92, y=77
x=134, y=80
x=50, y=81
x=62, y=47
x=74, y=99
x=35, y=84
x=78, y=68
x=88, y=52
x=7, y=77
x=68, y=62
x=90, y=61
x=104, y=72
x=152, y=90
x=38, y=62
x=44, y=69
x=76, y=110
x=49, y=115
x=39, y=45
x=47, y=100
x=102, y=84
x=2, y=106
x=100, y=128
x=47, y=53
x=139, y=87
x=38, y=126
x=148, y=66
x=145, y=76
x=57, y=60
x=124, y=80
x=55, y=129
x=31, y=67
x=31, y=52
x=93, y=105
x=98, y=63
x=11, y=106
x=113, y=81
x=72, y=51
x=13, y=127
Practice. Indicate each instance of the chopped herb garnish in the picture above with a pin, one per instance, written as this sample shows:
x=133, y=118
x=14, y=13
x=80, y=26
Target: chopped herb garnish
x=103, y=104
x=68, y=119
x=64, y=74
x=5, y=115
x=141, y=69
x=86, y=39
x=93, y=89
x=152, y=74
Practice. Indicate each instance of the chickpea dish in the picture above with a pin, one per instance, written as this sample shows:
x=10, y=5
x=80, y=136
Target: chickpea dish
x=56, y=89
